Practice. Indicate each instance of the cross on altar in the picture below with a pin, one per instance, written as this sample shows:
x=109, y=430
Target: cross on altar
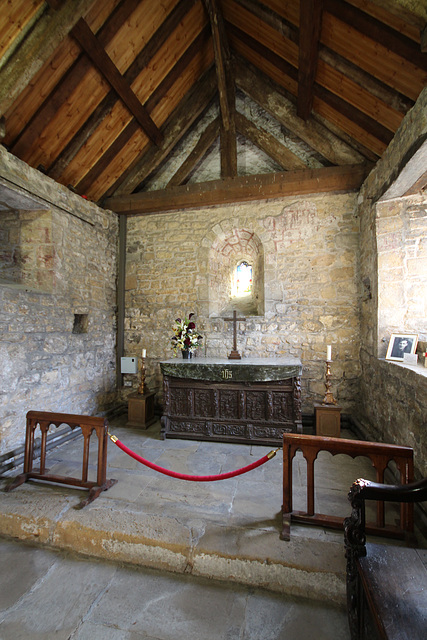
x=234, y=355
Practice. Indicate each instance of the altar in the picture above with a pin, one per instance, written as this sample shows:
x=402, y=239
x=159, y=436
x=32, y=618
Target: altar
x=252, y=400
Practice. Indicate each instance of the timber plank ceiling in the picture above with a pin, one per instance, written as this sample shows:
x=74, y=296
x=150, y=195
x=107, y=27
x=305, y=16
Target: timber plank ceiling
x=101, y=96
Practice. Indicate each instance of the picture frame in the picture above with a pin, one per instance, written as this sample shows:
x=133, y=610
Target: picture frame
x=401, y=343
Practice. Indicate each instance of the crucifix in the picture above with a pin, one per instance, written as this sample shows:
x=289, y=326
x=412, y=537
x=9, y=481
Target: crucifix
x=234, y=355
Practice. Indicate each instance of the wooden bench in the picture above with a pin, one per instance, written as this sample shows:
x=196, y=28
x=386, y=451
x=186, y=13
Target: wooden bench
x=386, y=584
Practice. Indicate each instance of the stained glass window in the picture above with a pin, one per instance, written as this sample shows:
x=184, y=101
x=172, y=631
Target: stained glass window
x=244, y=278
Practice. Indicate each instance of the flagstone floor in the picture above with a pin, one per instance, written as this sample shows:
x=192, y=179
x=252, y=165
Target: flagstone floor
x=159, y=558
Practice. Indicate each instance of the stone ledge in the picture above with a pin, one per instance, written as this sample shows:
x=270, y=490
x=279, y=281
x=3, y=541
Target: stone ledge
x=122, y=532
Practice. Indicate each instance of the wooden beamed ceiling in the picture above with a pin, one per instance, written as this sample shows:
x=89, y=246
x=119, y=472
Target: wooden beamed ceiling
x=102, y=96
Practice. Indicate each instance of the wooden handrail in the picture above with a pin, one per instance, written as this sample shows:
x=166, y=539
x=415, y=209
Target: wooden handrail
x=380, y=456
x=87, y=424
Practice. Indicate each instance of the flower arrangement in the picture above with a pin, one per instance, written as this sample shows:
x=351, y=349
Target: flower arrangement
x=186, y=337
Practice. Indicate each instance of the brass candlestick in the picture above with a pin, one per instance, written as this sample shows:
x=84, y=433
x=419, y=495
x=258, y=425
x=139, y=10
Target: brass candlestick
x=329, y=398
x=142, y=386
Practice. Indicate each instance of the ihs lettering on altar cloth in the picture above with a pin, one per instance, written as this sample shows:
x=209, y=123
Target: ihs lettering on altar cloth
x=234, y=355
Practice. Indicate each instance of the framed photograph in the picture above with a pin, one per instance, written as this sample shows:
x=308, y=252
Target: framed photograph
x=401, y=343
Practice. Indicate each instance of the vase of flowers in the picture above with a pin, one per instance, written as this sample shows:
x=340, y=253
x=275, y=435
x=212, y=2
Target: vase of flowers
x=185, y=338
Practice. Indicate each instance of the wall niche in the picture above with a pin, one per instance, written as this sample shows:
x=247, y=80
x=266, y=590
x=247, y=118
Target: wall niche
x=26, y=250
x=226, y=255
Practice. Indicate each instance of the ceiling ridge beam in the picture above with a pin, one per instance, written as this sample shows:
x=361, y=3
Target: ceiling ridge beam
x=204, y=143
x=310, y=24
x=69, y=81
x=100, y=58
x=241, y=189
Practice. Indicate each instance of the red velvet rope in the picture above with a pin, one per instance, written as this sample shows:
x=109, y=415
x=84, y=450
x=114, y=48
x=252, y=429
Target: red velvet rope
x=186, y=476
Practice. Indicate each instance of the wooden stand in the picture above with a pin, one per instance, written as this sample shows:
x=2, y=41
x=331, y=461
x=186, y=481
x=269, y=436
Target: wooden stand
x=88, y=424
x=328, y=420
x=141, y=410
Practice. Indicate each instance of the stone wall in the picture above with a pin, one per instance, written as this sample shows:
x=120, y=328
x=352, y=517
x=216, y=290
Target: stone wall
x=57, y=336
x=393, y=401
x=310, y=249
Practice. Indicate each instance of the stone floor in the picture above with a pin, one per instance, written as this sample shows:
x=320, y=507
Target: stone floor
x=224, y=572
x=46, y=595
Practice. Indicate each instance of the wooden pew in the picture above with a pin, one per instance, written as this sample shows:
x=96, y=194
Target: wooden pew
x=386, y=584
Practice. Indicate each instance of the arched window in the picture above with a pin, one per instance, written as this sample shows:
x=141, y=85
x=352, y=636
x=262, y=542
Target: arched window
x=236, y=274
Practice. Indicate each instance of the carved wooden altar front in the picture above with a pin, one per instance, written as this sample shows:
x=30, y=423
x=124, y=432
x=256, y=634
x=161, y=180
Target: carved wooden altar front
x=252, y=400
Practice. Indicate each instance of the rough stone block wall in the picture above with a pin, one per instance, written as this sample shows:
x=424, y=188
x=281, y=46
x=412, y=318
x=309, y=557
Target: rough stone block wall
x=45, y=364
x=310, y=250
x=393, y=399
x=402, y=266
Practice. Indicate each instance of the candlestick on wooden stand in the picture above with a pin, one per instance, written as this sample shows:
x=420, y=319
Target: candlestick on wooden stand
x=328, y=414
x=142, y=386
x=141, y=403
x=329, y=398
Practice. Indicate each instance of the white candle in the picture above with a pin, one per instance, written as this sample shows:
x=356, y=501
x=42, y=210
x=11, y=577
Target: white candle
x=329, y=352
x=144, y=353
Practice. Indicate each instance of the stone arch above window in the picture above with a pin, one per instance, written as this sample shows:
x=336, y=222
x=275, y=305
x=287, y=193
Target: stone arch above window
x=227, y=252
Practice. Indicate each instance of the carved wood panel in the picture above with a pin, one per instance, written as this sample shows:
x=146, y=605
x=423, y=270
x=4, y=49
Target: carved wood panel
x=231, y=411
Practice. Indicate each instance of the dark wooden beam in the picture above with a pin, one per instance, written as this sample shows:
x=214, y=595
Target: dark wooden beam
x=242, y=189
x=225, y=90
x=131, y=128
x=423, y=43
x=309, y=38
x=173, y=130
x=206, y=140
x=352, y=113
x=377, y=31
x=418, y=186
x=105, y=107
x=271, y=18
x=222, y=57
x=90, y=45
x=284, y=66
x=379, y=89
x=269, y=144
x=55, y=4
x=268, y=95
x=70, y=80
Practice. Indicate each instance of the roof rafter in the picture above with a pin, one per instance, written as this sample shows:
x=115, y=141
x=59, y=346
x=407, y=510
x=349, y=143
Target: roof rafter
x=309, y=40
x=105, y=107
x=71, y=79
x=206, y=140
x=315, y=135
x=269, y=144
x=90, y=45
x=225, y=90
x=173, y=130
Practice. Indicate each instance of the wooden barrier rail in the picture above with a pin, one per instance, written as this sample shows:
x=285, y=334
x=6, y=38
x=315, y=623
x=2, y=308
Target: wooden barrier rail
x=380, y=456
x=88, y=424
